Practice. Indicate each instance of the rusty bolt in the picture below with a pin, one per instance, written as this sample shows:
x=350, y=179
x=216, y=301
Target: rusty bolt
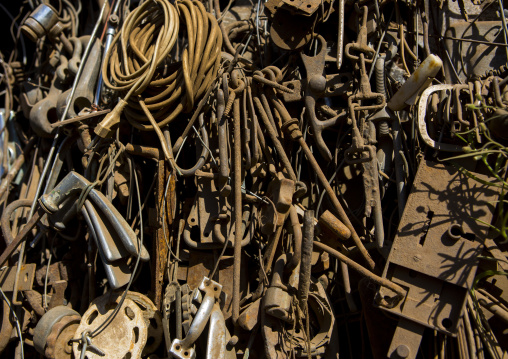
x=317, y=83
x=402, y=351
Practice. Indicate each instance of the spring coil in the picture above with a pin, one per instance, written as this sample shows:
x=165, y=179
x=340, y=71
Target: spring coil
x=383, y=128
x=380, y=75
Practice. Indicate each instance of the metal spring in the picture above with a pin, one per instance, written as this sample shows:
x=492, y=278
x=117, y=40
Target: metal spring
x=380, y=75
x=384, y=128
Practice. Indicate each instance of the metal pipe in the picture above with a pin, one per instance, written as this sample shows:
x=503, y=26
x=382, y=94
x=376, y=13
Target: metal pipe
x=491, y=306
x=378, y=216
x=347, y=287
x=340, y=34
x=110, y=33
x=399, y=165
x=401, y=293
x=473, y=350
x=306, y=262
x=57, y=164
x=297, y=240
x=333, y=224
x=224, y=187
x=238, y=210
x=178, y=312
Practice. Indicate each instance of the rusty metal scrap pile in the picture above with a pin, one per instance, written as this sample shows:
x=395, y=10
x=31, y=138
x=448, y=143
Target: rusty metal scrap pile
x=280, y=178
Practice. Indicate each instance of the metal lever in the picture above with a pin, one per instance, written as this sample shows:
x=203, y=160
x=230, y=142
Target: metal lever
x=73, y=184
x=105, y=238
x=118, y=272
x=110, y=34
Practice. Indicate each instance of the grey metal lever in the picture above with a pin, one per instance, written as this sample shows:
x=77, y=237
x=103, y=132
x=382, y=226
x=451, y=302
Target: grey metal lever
x=105, y=238
x=117, y=272
x=73, y=184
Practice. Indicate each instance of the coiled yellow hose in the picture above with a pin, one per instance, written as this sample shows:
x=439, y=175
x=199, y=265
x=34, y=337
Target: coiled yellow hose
x=139, y=63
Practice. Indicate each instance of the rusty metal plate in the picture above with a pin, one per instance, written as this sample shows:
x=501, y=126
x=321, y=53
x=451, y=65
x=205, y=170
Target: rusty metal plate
x=478, y=58
x=204, y=214
x=26, y=277
x=308, y=7
x=272, y=5
x=441, y=196
x=429, y=301
x=291, y=32
x=338, y=84
x=435, y=253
